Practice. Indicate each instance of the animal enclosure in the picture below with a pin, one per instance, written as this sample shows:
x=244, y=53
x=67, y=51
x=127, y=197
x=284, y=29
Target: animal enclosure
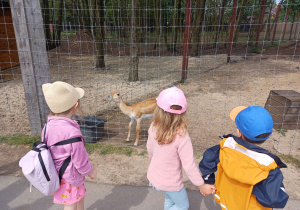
x=222, y=54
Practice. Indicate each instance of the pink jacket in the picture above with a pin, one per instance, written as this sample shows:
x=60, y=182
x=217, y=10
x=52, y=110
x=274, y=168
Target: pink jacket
x=61, y=128
x=165, y=169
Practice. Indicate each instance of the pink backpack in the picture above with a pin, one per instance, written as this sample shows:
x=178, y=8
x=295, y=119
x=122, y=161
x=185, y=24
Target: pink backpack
x=38, y=166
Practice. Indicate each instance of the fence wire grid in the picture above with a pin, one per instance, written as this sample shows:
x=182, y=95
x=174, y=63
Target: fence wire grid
x=222, y=54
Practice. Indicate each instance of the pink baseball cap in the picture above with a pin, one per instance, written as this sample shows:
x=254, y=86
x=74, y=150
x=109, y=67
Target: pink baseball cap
x=172, y=96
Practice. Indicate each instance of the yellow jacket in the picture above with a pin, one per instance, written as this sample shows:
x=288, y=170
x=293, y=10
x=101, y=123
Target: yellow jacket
x=248, y=177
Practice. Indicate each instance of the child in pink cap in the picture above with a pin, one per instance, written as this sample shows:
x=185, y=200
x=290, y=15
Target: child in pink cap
x=170, y=148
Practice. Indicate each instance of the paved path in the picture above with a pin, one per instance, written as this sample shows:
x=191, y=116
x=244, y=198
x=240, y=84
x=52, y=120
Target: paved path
x=15, y=195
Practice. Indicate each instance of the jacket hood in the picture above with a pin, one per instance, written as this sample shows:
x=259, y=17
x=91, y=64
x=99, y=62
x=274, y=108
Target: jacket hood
x=245, y=162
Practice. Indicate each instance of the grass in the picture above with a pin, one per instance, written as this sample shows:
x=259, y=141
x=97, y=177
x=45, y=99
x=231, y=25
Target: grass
x=66, y=34
x=282, y=131
x=290, y=159
x=19, y=139
x=28, y=140
x=271, y=45
x=109, y=149
x=254, y=50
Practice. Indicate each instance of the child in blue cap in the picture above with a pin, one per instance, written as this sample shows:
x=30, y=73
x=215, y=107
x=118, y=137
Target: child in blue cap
x=248, y=176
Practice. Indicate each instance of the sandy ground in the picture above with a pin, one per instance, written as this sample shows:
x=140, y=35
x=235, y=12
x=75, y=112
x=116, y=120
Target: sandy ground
x=213, y=88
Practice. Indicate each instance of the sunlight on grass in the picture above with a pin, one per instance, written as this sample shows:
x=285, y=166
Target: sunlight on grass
x=19, y=139
x=28, y=140
x=108, y=149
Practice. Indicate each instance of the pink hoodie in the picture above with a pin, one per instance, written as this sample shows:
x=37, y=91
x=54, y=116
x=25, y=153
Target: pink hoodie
x=61, y=128
x=165, y=169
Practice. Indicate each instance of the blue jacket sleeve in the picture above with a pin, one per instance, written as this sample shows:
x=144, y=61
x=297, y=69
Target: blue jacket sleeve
x=271, y=192
x=208, y=165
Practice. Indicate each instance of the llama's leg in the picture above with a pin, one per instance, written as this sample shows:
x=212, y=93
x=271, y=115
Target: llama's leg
x=138, y=125
x=129, y=129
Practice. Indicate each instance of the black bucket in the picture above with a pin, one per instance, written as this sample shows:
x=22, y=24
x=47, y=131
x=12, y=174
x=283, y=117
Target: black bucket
x=92, y=128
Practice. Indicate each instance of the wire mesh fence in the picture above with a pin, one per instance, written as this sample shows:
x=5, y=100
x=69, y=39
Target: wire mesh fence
x=222, y=54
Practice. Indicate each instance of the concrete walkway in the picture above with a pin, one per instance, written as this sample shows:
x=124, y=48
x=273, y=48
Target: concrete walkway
x=15, y=195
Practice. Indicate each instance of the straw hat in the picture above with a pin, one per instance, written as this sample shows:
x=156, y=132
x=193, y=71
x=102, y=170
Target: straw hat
x=61, y=96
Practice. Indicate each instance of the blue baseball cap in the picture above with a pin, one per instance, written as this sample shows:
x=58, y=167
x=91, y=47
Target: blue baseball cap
x=252, y=121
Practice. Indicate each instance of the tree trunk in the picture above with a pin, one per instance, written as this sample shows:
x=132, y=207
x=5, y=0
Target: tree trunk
x=99, y=31
x=178, y=23
x=224, y=2
x=157, y=22
x=197, y=23
x=293, y=21
x=142, y=25
x=269, y=24
x=124, y=20
x=174, y=27
x=216, y=17
x=58, y=29
x=79, y=13
x=134, y=62
x=259, y=26
x=253, y=26
x=296, y=27
x=46, y=17
x=165, y=30
x=238, y=21
x=88, y=14
x=286, y=19
x=275, y=22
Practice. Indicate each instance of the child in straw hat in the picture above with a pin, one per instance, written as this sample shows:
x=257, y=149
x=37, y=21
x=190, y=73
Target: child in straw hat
x=63, y=101
x=248, y=176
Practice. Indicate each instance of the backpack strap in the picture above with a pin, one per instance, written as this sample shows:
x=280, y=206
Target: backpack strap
x=45, y=133
x=67, y=161
x=44, y=146
x=43, y=167
x=41, y=146
x=67, y=141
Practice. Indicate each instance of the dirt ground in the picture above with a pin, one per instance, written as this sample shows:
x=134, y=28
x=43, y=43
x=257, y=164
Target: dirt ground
x=212, y=89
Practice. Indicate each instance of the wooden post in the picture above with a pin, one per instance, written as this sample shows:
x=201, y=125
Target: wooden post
x=186, y=41
x=232, y=25
x=31, y=43
x=262, y=11
x=276, y=20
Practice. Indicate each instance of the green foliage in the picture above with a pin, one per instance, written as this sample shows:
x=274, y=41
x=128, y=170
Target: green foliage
x=282, y=131
x=19, y=139
x=294, y=7
x=291, y=159
x=66, y=34
x=108, y=149
x=144, y=152
x=254, y=50
x=271, y=45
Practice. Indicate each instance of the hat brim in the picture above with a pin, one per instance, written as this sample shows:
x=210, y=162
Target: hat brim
x=80, y=91
x=236, y=111
x=45, y=87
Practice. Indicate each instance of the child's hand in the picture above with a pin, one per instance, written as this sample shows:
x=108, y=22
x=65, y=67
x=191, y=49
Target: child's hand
x=207, y=189
x=94, y=173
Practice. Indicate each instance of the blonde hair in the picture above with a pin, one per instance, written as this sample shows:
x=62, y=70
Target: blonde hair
x=168, y=124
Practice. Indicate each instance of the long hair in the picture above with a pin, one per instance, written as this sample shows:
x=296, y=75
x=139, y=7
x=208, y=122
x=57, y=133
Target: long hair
x=167, y=124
